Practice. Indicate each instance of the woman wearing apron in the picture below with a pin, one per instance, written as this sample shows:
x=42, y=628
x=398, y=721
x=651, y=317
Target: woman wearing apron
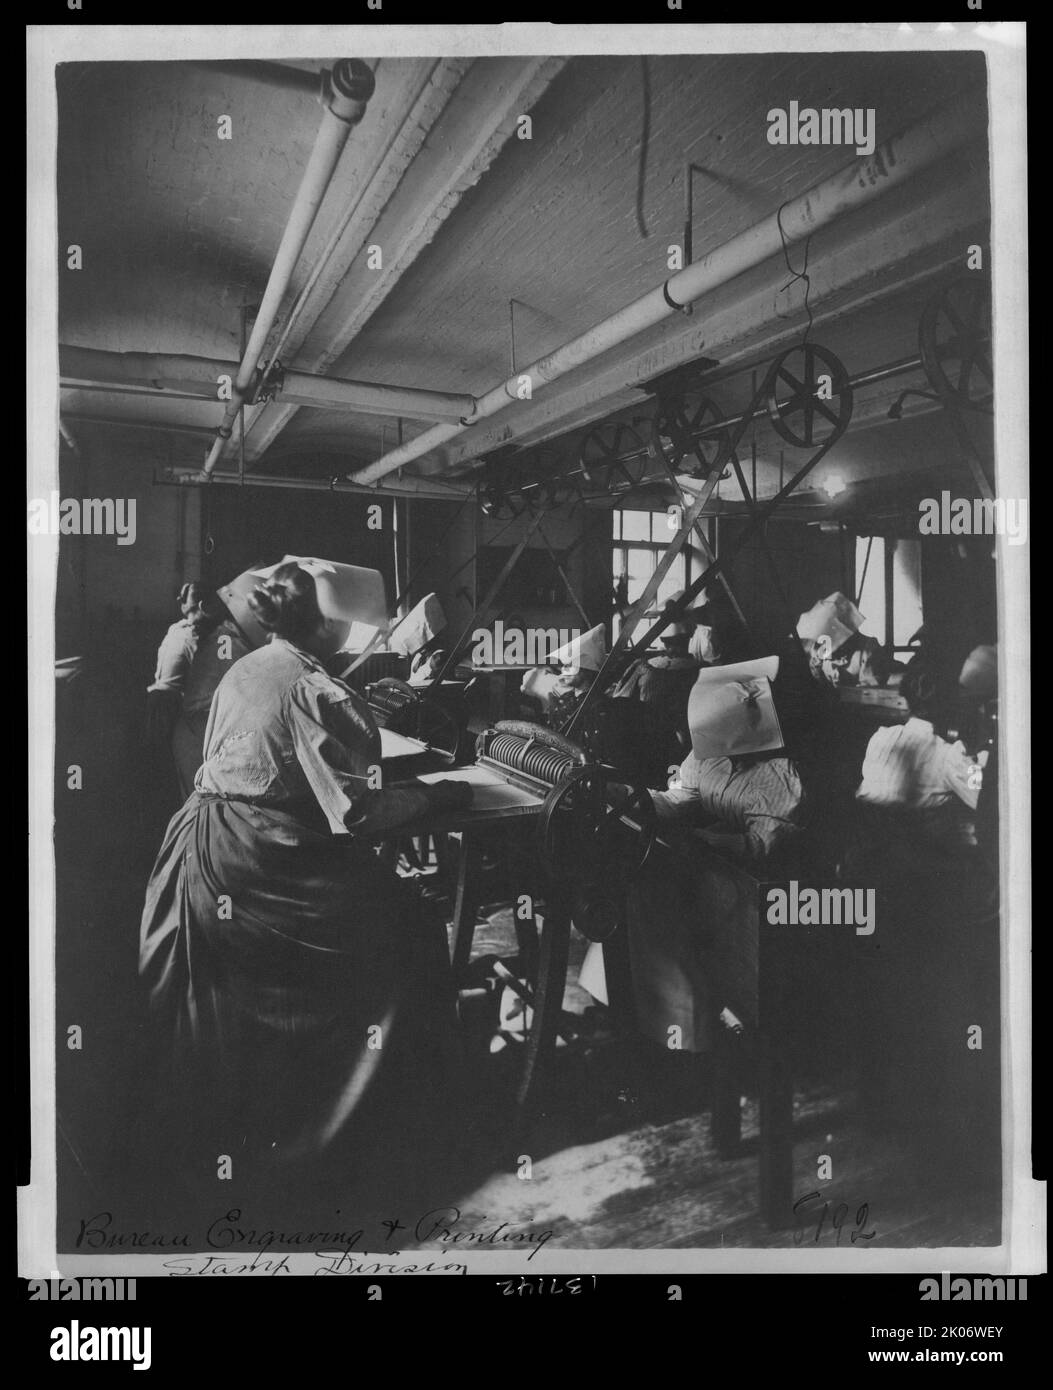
x=300, y=997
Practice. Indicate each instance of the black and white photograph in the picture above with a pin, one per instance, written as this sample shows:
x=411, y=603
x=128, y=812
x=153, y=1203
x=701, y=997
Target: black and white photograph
x=529, y=651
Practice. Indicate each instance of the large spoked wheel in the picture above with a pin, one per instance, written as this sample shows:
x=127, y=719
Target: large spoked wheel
x=810, y=397
x=596, y=826
x=954, y=336
x=675, y=430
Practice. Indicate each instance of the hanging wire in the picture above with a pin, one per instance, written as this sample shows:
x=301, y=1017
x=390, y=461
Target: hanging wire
x=796, y=275
x=210, y=541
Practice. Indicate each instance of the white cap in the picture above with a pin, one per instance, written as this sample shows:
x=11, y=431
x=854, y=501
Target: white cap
x=346, y=593
x=702, y=646
x=235, y=596
x=835, y=617
x=979, y=676
x=584, y=652
x=419, y=626
x=731, y=711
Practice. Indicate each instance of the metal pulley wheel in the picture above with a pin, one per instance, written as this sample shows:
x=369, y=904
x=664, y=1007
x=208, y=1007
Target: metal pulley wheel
x=595, y=829
x=617, y=447
x=954, y=337
x=819, y=408
x=675, y=426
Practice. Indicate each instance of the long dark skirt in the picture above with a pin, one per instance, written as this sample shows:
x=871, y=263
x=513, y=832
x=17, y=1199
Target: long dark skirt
x=301, y=999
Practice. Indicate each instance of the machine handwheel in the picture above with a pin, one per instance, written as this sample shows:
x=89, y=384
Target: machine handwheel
x=595, y=829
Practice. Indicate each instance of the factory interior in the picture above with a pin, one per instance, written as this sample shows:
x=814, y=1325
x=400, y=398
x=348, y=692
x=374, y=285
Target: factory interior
x=600, y=405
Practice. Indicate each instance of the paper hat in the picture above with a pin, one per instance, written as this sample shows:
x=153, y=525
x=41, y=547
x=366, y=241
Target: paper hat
x=835, y=617
x=979, y=676
x=419, y=626
x=731, y=711
x=702, y=646
x=236, y=597
x=345, y=593
x=582, y=653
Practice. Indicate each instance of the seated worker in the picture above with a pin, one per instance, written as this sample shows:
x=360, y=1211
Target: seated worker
x=839, y=653
x=268, y=1013
x=179, y=644
x=910, y=767
x=418, y=638
x=915, y=843
x=174, y=657
x=559, y=692
x=236, y=634
x=978, y=695
x=739, y=791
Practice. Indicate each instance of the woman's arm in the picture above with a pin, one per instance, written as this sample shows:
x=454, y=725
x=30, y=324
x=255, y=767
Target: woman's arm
x=338, y=749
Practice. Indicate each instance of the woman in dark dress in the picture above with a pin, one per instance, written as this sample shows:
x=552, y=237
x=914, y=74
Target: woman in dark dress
x=305, y=1009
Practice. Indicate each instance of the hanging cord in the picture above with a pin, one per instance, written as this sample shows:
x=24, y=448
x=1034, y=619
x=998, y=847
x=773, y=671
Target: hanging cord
x=796, y=275
x=210, y=541
x=645, y=140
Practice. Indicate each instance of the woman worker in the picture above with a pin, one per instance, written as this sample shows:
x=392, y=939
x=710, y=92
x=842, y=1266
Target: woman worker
x=301, y=1003
x=238, y=633
x=740, y=791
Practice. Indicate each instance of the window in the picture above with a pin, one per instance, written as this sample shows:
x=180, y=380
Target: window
x=888, y=585
x=640, y=541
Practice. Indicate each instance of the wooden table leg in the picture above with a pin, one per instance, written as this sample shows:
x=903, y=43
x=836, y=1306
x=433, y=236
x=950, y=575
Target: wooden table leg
x=548, y=999
x=725, y=1124
x=464, y=905
x=776, y=1133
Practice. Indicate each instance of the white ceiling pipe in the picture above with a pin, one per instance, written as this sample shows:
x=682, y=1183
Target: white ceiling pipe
x=858, y=183
x=348, y=90
x=199, y=377
x=410, y=486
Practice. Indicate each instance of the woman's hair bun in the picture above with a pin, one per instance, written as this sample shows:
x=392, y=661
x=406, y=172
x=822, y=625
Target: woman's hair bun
x=267, y=601
x=286, y=604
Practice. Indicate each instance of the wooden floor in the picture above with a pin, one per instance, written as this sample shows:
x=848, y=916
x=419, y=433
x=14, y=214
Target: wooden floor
x=598, y=1183
x=654, y=1185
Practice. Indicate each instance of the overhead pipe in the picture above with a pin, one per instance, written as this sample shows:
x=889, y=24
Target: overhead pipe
x=891, y=164
x=410, y=486
x=347, y=92
x=198, y=376
x=271, y=74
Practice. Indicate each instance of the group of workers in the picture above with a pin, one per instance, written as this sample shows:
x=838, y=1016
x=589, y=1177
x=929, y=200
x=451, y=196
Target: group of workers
x=302, y=992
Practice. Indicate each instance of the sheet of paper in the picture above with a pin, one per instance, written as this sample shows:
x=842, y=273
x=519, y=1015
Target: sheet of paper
x=492, y=793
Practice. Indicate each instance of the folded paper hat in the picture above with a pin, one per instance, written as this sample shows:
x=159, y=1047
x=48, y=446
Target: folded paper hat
x=731, y=711
x=235, y=596
x=835, y=617
x=345, y=593
x=979, y=676
x=582, y=653
x=420, y=625
x=702, y=646
x=540, y=683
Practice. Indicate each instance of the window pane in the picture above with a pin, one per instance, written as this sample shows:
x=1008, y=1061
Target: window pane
x=906, y=591
x=871, y=586
x=640, y=567
x=636, y=526
x=617, y=525
x=673, y=582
